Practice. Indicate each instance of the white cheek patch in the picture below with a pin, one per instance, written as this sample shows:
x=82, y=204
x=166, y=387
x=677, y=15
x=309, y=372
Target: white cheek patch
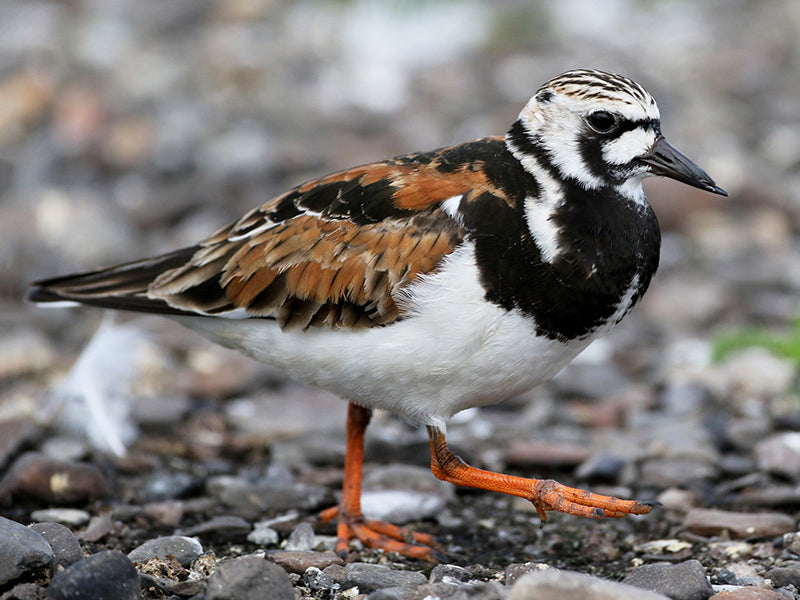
x=628, y=146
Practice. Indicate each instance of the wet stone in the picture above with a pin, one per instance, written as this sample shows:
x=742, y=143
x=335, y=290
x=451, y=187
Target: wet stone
x=249, y=578
x=108, y=575
x=683, y=581
x=369, y=578
x=226, y=528
x=300, y=562
x=65, y=545
x=184, y=549
x=555, y=584
x=263, y=535
x=22, y=550
x=702, y=521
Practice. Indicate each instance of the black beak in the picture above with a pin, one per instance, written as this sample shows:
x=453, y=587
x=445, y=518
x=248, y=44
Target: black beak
x=667, y=161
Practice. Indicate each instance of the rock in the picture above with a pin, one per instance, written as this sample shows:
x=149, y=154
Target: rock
x=555, y=584
x=263, y=535
x=780, y=454
x=184, y=549
x=299, y=562
x=675, y=472
x=543, y=454
x=66, y=516
x=683, y=581
x=703, y=521
x=53, y=481
x=369, y=578
x=168, y=513
x=227, y=528
x=784, y=576
x=602, y=467
x=171, y=486
x=449, y=574
x=249, y=578
x=748, y=593
x=65, y=545
x=791, y=541
x=107, y=575
x=316, y=580
x=238, y=493
x=301, y=539
x=25, y=591
x=21, y=550
x=516, y=571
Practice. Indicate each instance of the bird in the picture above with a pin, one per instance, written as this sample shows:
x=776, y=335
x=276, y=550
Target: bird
x=434, y=282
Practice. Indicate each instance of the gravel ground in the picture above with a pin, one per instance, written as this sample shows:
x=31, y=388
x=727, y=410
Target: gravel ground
x=129, y=128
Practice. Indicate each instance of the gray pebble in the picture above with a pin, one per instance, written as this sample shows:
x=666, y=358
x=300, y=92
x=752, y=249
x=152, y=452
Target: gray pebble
x=780, y=454
x=555, y=584
x=107, y=575
x=184, y=549
x=263, y=535
x=369, y=578
x=301, y=539
x=683, y=581
x=300, y=562
x=387, y=594
x=703, y=521
x=784, y=576
x=449, y=574
x=25, y=591
x=249, y=578
x=227, y=528
x=314, y=579
x=238, y=493
x=170, y=486
x=65, y=545
x=66, y=516
x=21, y=550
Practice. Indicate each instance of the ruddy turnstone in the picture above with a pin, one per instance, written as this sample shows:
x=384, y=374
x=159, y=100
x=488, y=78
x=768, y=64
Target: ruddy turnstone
x=435, y=281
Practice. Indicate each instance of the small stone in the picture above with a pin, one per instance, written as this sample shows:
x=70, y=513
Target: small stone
x=784, y=576
x=449, y=574
x=369, y=578
x=748, y=593
x=301, y=539
x=602, y=467
x=555, y=584
x=780, y=454
x=263, y=535
x=53, y=481
x=300, y=562
x=249, y=578
x=675, y=472
x=65, y=545
x=791, y=541
x=516, y=571
x=387, y=594
x=108, y=575
x=74, y=517
x=703, y=521
x=184, y=549
x=227, y=528
x=21, y=550
x=171, y=486
x=543, y=454
x=683, y=581
x=168, y=513
x=314, y=579
x=677, y=500
x=25, y=591
x=238, y=493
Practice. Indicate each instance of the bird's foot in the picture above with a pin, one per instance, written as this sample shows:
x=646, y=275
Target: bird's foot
x=382, y=535
x=547, y=494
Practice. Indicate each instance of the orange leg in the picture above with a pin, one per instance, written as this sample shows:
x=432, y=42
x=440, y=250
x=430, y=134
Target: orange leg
x=352, y=524
x=545, y=494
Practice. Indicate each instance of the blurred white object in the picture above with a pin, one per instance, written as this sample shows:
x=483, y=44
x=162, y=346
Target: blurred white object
x=95, y=398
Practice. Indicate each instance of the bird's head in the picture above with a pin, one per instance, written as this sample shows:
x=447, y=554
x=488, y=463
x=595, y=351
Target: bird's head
x=599, y=130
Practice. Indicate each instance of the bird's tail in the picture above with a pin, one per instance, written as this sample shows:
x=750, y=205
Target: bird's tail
x=122, y=287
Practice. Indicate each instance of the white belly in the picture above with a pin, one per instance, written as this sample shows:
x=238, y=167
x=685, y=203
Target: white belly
x=453, y=351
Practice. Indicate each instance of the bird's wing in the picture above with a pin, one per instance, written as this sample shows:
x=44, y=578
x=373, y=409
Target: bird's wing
x=332, y=252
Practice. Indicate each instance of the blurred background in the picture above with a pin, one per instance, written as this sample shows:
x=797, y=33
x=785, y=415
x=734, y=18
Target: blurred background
x=132, y=127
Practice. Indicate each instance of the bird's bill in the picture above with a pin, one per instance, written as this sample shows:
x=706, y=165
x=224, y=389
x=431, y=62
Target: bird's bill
x=667, y=161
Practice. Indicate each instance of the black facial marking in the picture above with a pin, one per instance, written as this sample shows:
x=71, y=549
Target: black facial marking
x=544, y=96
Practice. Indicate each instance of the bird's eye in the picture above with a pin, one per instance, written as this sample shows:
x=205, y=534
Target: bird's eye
x=601, y=121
